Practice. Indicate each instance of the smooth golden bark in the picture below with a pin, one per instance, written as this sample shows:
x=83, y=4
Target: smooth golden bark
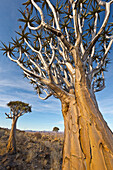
x=11, y=147
x=88, y=141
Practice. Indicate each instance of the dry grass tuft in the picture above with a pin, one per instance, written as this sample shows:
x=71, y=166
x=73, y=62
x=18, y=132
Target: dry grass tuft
x=35, y=150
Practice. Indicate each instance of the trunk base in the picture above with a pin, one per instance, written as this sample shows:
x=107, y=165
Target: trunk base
x=11, y=147
x=88, y=142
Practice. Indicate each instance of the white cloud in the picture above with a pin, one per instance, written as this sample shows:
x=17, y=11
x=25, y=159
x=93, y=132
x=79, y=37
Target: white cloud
x=52, y=106
x=5, y=99
x=15, y=83
x=60, y=122
x=106, y=105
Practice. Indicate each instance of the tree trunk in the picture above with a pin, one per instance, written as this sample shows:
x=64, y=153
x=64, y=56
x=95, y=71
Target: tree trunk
x=11, y=147
x=88, y=141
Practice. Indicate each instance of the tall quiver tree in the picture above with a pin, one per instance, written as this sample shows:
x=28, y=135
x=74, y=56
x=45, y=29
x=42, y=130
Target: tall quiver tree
x=62, y=49
x=17, y=109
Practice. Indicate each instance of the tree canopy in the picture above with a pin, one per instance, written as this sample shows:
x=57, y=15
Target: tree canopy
x=50, y=30
x=17, y=109
x=56, y=129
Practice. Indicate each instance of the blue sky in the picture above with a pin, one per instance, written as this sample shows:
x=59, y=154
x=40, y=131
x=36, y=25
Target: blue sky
x=45, y=114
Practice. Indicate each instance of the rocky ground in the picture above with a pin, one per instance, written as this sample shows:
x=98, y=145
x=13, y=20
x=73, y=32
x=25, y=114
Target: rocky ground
x=35, y=151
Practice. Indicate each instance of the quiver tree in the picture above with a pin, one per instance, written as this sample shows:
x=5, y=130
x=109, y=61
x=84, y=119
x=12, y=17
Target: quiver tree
x=17, y=109
x=62, y=49
x=55, y=129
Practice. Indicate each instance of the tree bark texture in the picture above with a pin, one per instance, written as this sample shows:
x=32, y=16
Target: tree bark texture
x=11, y=147
x=88, y=141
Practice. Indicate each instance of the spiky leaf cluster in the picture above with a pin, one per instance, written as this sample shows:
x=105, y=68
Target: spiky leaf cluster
x=18, y=108
x=49, y=29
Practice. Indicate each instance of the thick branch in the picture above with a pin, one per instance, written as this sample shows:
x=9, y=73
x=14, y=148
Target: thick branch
x=38, y=52
x=38, y=9
x=54, y=14
x=102, y=62
x=75, y=20
x=95, y=39
x=47, y=95
x=58, y=34
x=9, y=117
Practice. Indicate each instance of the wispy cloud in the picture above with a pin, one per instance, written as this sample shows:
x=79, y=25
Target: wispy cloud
x=106, y=105
x=5, y=99
x=15, y=83
x=60, y=122
x=50, y=106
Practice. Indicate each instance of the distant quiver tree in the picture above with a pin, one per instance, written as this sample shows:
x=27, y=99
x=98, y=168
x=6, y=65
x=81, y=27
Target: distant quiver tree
x=62, y=48
x=17, y=109
x=55, y=129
